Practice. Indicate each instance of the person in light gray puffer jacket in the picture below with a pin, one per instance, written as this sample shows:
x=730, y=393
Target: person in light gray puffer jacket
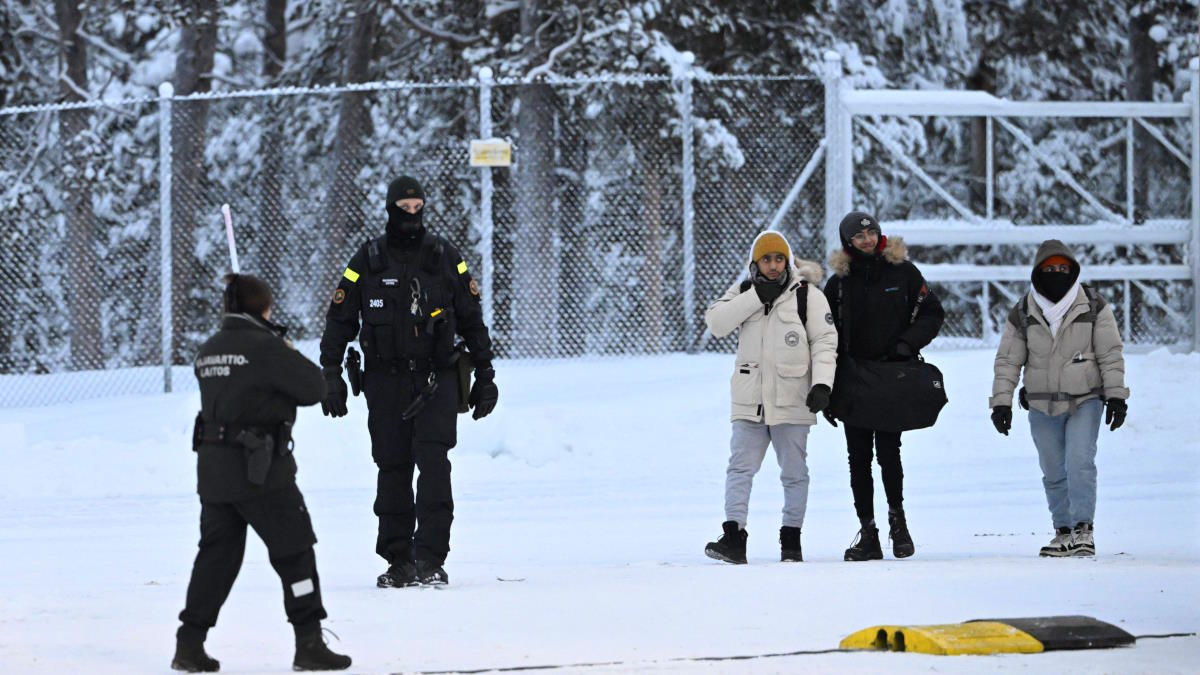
x=1065, y=338
x=783, y=376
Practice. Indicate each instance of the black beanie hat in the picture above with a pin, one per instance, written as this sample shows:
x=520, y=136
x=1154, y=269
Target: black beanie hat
x=404, y=187
x=853, y=223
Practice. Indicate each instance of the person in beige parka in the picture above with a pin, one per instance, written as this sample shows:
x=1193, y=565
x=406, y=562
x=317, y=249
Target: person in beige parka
x=1065, y=338
x=782, y=378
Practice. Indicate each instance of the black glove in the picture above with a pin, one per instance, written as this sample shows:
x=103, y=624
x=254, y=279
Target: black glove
x=1002, y=418
x=818, y=398
x=900, y=352
x=768, y=291
x=828, y=414
x=334, y=403
x=483, y=393
x=1022, y=398
x=1114, y=413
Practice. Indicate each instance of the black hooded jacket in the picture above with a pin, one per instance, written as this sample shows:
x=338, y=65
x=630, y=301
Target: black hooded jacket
x=872, y=299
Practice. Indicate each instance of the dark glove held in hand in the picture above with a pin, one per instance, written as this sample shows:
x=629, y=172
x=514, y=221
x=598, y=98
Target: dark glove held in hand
x=768, y=291
x=1002, y=418
x=1023, y=399
x=818, y=398
x=829, y=417
x=1114, y=413
x=483, y=393
x=334, y=403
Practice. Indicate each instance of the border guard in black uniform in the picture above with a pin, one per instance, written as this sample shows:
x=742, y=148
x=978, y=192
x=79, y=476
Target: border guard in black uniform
x=251, y=380
x=414, y=295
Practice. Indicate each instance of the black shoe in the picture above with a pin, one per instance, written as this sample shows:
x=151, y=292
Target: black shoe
x=731, y=547
x=313, y=654
x=430, y=573
x=789, y=544
x=399, y=575
x=866, y=545
x=190, y=657
x=902, y=543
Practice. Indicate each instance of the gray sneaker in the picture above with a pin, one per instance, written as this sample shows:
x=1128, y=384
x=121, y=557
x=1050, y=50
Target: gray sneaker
x=1059, y=546
x=1082, y=543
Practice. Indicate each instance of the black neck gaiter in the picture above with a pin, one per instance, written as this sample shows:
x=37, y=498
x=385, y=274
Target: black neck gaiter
x=404, y=228
x=1053, y=285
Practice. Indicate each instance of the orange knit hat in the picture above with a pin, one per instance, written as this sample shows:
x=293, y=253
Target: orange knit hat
x=770, y=242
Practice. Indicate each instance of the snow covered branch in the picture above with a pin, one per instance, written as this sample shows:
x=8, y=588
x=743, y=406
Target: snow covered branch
x=454, y=38
x=554, y=53
x=103, y=46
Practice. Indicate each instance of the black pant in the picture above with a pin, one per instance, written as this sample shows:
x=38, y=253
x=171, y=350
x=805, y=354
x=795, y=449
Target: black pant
x=412, y=525
x=281, y=520
x=859, y=442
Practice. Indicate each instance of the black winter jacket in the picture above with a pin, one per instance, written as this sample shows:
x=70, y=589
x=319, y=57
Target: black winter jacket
x=249, y=376
x=873, y=298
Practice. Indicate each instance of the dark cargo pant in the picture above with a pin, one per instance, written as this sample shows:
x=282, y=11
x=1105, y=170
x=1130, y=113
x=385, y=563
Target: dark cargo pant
x=412, y=526
x=281, y=519
x=886, y=448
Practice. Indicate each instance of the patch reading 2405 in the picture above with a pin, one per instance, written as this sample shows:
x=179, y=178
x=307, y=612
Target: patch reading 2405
x=218, y=365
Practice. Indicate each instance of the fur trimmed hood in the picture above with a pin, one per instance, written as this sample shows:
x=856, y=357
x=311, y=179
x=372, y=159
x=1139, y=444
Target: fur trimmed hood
x=807, y=269
x=894, y=251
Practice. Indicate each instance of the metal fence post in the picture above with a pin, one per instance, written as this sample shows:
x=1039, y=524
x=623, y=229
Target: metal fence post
x=837, y=151
x=689, y=235
x=1194, y=243
x=165, y=92
x=486, y=227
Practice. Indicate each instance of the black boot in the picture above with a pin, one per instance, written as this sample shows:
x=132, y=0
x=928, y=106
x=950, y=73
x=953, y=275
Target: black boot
x=902, y=543
x=430, y=573
x=190, y=656
x=731, y=547
x=313, y=654
x=399, y=575
x=789, y=544
x=866, y=544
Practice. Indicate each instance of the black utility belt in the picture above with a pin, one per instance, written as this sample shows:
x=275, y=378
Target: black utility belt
x=259, y=444
x=401, y=365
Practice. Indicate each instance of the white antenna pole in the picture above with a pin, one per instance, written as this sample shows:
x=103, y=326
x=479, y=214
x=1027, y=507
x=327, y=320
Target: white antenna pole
x=229, y=238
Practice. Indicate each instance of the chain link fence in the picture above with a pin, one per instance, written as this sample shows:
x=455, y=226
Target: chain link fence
x=592, y=249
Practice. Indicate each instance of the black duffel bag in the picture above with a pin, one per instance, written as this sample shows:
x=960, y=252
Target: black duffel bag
x=887, y=395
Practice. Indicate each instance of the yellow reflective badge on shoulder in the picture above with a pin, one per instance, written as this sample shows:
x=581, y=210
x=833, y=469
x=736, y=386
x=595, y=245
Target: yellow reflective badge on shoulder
x=351, y=275
x=462, y=267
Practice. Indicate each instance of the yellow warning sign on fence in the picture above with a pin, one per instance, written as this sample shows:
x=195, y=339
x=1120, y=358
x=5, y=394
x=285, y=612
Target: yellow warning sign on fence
x=491, y=152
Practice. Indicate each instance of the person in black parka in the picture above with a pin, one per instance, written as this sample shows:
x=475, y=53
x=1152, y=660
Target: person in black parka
x=408, y=295
x=251, y=381
x=875, y=291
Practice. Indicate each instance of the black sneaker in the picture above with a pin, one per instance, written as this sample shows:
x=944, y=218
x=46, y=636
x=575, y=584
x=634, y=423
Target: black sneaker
x=430, y=573
x=789, y=544
x=191, y=658
x=902, y=543
x=1059, y=546
x=731, y=547
x=865, y=545
x=399, y=575
x=313, y=654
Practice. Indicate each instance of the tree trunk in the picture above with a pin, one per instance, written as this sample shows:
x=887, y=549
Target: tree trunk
x=983, y=78
x=189, y=121
x=652, y=269
x=272, y=221
x=346, y=197
x=1143, y=69
x=84, y=277
x=536, y=240
x=572, y=193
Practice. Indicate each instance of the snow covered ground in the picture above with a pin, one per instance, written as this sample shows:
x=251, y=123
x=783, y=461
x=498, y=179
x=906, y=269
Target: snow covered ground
x=583, y=506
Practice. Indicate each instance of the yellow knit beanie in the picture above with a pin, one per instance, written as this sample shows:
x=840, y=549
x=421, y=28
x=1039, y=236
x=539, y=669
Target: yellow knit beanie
x=769, y=242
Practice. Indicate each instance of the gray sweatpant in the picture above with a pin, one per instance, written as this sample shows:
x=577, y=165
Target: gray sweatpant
x=748, y=446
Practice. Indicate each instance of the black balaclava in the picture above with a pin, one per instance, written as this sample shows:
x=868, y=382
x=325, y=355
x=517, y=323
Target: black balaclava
x=402, y=226
x=852, y=224
x=1053, y=285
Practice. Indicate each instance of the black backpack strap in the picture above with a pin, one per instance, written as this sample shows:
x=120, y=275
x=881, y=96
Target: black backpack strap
x=802, y=301
x=376, y=258
x=433, y=252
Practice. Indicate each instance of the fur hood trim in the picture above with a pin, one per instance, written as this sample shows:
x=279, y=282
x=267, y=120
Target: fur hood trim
x=894, y=251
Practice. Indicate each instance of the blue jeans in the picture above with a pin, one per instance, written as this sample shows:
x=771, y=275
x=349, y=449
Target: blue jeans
x=1066, y=447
